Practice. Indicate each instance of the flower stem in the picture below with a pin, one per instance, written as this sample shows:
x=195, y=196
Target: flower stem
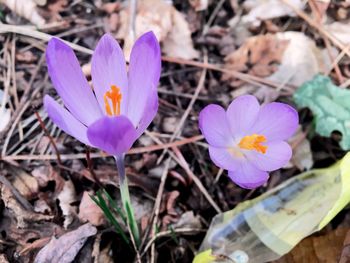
x=124, y=192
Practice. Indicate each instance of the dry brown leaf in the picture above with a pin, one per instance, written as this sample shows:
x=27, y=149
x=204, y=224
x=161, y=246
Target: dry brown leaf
x=57, y=6
x=65, y=248
x=40, y=2
x=22, y=216
x=178, y=42
x=319, y=8
x=3, y=259
x=26, y=184
x=168, y=24
x=110, y=7
x=26, y=9
x=189, y=220
x=345, y=254
x=268, y=9
x=89, y=211
x=101, y=255
x=66, y=197
x=258, y=56
x=302, y=156
x=340, y=31
x=46, y=173
x=199, y=5
x=40, y=206
x=26, y=57
x=314, y=249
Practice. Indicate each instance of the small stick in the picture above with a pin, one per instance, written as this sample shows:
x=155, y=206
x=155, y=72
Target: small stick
x=157, y=205
x=42, y=125
x=91, y=169
x=138, y=150
x=183, y=163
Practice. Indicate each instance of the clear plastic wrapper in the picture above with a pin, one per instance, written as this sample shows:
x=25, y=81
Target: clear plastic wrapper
x=269, y=226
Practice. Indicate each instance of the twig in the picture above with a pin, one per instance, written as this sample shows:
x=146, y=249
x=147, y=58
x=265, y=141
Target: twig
x=319, y=28
x=170, y=232
x=242, y=76
x=24, y=202
x=100, y=154
x=195, y=179
x=42, y=125
x=157, y=205
x=212, y=17
x=91, y=168
x=29, y=31
x=245, y=77
x=188, y=109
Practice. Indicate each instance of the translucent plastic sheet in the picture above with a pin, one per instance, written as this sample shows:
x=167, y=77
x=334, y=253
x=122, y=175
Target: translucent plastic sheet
x=267, y=227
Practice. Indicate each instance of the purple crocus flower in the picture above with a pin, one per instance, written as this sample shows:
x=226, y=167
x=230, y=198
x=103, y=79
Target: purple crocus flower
x=121, y=104
x=248, y=140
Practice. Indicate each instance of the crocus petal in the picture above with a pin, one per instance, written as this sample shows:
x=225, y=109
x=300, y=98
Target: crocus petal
x=276, y=121
x=248, y=176
x=223, y=158
x=144, y=73
x=70, y=83
x=277, y=155
x=149, y=113
x=214, y=126
x=114, y=135
x=242, y=114
x=108, y=67
x=65, y=121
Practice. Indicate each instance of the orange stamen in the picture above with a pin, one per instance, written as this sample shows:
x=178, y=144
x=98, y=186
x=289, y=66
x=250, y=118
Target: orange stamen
x=253, y=142
x=116, y=98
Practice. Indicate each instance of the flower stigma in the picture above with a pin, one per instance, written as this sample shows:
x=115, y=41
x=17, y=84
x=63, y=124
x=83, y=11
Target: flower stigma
x=253, y=142
x=115, y=97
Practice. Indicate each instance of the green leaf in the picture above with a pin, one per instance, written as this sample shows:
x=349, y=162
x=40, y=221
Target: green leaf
x=100, y=201
x=330, y=106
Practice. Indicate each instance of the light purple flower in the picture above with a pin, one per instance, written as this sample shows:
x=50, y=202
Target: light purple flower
x=248, y=140
x=121, y=104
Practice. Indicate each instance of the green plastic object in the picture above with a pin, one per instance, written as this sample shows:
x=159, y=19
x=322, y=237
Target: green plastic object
x=269, y=226
x=330, y=106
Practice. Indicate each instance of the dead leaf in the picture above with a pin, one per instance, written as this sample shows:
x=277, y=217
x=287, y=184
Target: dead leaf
x=3, y=259
x=302, y=156
x=319, y=8
x=26, y=9
x=40, y=206
x=67, y=197
x=101, y=255
x=168, y=24
x=258, y=56
x=199, y=5
x=57, y=6
x=340, y=31
x=345, y=254
x=169, y=124
x=40, y=2
x=22, y=216
x=189, y=220
x=268, y=9
x=26, y=57
x=110, y=8
x=46, y=173
x=89, y=211
x=300, y=62
x=317, y=248
x=65, y=248
x=26, y=184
